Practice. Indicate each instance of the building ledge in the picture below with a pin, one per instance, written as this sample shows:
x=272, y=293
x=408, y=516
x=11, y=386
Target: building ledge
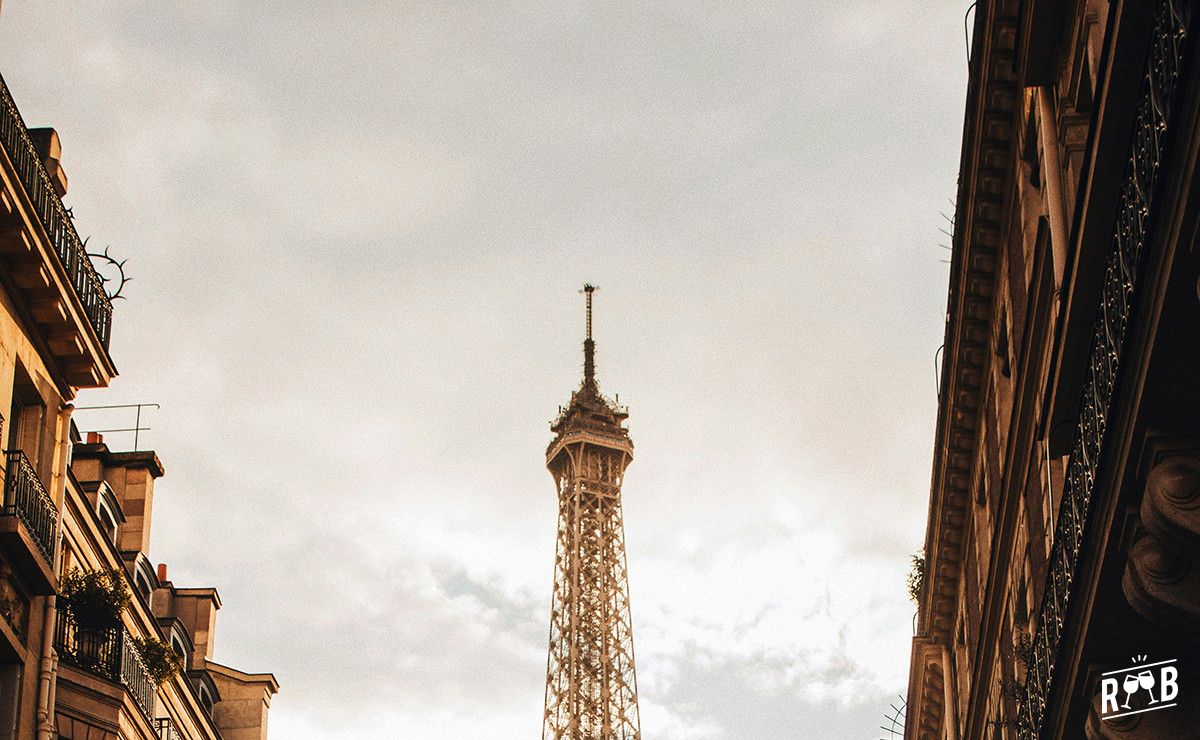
x=27, y=559
x=147, y=459
x=198, y=592
x=267, y=680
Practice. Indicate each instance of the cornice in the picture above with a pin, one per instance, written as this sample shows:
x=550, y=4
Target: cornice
x=981, y=217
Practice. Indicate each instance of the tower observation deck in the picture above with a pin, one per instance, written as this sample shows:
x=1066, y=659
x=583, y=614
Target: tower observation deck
x=591, y=687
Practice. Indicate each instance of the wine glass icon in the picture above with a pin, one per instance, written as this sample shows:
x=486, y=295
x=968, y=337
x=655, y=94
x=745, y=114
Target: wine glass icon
x=1146, y=680
x=1131, y=684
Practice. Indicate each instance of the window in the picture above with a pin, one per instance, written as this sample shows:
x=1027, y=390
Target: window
x=28, y=415
x=67, y=562
x=179, y=645
x=108, y=511
x=108, y=522
x=143, y=586
x=10, y=690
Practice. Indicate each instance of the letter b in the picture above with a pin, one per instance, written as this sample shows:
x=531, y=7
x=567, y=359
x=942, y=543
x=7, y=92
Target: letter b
x=1170, y=684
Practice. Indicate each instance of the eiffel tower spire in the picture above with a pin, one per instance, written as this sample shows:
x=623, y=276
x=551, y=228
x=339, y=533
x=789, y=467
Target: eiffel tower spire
x=589, y=345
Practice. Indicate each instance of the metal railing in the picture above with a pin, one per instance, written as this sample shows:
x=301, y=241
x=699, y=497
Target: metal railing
x=1166, y=64
x=26, y=498
x=108, y=652
x=14, y=136
x=164, y=729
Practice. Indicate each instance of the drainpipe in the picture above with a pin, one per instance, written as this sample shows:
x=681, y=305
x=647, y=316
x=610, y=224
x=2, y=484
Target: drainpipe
x=49, y=661
x=49, y=665
x=1055, y=204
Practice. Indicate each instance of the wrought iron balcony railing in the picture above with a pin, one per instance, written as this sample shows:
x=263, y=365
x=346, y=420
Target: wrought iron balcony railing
x=14, y=136
x=1125, y=264
x=26, y=498
x=164, y=729
x=109, y=653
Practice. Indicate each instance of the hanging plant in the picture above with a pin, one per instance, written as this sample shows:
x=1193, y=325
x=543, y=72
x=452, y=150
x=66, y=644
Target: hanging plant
x=94, y=599
x=162, y=662
x=916, y=577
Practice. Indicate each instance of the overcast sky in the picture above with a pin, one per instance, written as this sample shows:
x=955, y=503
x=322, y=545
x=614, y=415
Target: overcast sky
x=357, y=232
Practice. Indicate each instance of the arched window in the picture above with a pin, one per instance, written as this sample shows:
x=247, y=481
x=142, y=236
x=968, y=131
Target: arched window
x=179, y=645
x=108, y=522
x=143, y=586
x=205, y=700
x=109, y=513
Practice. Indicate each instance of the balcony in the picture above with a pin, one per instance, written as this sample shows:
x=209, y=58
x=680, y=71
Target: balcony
x=47, y=259
x=164, y=729
x=110, y=654
x=28, y=524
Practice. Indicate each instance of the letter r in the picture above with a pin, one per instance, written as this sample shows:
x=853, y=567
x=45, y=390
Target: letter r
x=1108, y=692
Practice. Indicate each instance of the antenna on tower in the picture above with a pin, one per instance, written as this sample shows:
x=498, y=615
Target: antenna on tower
x=589, y=346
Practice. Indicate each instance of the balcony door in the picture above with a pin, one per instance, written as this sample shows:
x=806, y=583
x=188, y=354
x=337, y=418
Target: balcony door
x=28, y=415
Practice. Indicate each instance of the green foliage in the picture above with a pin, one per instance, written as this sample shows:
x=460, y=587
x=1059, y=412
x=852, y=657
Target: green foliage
x=94, y=599
x=916, y=577
x=162, y=662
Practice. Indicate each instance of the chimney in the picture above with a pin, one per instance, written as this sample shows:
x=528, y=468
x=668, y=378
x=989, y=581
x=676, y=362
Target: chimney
x=162, y=572
x=197, y=609
x=49, y=148
x=95, y=438
x=130, y=476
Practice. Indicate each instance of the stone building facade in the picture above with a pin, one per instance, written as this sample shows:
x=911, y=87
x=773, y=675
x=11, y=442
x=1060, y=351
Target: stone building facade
x=74, y=506
x=1063, y=540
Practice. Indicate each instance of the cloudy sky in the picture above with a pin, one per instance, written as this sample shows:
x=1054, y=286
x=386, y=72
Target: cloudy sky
x=357, y=232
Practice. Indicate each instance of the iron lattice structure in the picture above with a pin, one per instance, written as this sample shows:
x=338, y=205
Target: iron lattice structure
x=591, y=686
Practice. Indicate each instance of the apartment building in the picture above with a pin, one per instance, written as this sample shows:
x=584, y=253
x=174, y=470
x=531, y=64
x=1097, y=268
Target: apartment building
x=96, y=643
x=1060, y=594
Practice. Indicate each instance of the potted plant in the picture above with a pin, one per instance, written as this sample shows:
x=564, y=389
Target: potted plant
x=162, y=662
x=94, y=599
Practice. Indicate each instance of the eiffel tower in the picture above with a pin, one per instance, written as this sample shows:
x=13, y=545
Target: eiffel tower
x=591, y=688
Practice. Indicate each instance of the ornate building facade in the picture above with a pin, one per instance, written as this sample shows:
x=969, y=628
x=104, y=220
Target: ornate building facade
x=73, y=507
x=1061, y=586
